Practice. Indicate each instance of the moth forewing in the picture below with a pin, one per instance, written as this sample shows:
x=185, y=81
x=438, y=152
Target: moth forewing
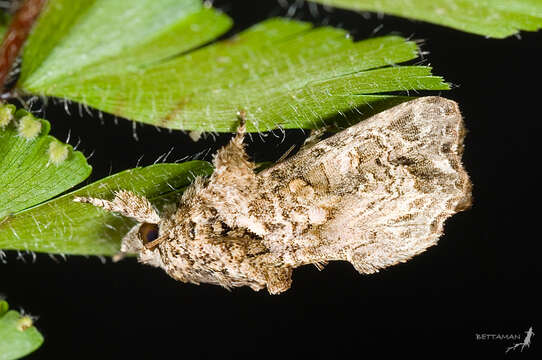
x=385, y=185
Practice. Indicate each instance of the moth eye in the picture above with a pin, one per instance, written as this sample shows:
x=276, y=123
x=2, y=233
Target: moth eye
x=148, y=232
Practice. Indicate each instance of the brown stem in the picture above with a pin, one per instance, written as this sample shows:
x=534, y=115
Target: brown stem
x=15, y=36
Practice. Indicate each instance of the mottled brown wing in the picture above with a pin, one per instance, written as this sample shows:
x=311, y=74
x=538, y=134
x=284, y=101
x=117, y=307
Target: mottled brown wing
x=385, y=186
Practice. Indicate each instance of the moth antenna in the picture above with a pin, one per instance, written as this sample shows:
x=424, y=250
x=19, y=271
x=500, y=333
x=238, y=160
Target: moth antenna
x=126, y=203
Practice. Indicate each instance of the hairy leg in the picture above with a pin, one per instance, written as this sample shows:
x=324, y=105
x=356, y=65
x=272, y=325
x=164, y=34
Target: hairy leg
x=231, y=162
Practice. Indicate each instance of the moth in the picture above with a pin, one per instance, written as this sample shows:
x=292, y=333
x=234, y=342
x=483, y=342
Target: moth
x=374, y=194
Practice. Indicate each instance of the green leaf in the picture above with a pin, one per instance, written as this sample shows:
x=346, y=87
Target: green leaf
x=492, y=18
x=67, y=227
x=18, y=336
x=34, y=166
x=84, y=39
x=283, y=73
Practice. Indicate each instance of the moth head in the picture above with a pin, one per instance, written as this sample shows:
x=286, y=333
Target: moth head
x=145, y=236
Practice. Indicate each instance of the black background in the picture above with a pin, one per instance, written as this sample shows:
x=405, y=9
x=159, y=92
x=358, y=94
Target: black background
x=483, y=277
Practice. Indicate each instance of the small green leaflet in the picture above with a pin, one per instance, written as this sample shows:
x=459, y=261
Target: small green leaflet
x=18, y=336
x=491, y=18
x=28, y=174
x=144, y=67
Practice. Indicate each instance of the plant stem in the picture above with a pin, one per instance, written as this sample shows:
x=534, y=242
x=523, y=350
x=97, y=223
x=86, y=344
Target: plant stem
x=16, y=35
